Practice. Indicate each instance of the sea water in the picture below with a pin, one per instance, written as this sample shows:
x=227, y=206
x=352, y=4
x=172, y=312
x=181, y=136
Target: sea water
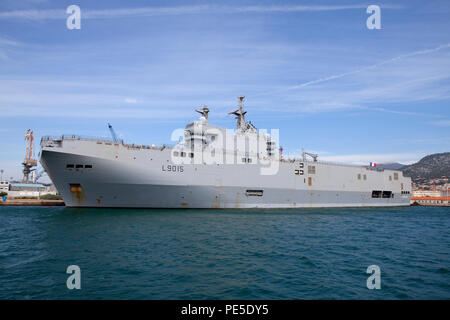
x=225, y=254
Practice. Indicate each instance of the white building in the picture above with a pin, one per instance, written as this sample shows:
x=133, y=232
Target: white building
x=426, y=193
x=17, y=190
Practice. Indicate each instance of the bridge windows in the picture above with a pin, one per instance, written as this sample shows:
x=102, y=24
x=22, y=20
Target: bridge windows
x=311, y=169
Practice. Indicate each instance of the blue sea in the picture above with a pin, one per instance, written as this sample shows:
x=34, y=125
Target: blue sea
x=224, y=254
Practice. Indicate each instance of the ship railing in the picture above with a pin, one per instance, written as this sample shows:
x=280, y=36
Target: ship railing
x=308, y=161
x=334, y=163
x=78, y=137
x=152, y=147
x=104, y=140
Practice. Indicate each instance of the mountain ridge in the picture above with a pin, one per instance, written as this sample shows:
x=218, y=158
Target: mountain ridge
x=433, y=166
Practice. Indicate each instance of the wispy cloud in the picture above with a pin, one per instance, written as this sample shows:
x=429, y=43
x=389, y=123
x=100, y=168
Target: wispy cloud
x=179, y=10
x=441, y=123
x=130, y=100
x=6, y=43
x=34, y=14
x=9, y=42
x=406, y=113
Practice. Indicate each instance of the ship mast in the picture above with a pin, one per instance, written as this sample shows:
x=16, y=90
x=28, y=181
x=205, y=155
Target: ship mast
x=240, y=114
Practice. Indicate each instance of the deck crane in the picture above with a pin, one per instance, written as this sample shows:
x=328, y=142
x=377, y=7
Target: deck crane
x=113, y=134
x=312, y=155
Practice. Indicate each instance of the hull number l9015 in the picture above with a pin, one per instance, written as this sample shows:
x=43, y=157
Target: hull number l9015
x=172, y=168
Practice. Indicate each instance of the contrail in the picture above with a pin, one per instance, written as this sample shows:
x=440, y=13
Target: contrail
x=341, y=75
x=177, y=10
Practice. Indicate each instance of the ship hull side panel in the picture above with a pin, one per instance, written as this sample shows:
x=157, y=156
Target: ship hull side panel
x=112, y=182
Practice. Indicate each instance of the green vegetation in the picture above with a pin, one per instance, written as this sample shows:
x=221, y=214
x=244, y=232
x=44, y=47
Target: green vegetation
x=2, y=194
x=51, y=197
x=25, y=198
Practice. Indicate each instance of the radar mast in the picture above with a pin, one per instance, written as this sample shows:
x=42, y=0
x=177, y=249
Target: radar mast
x=240, y=114
x=204, y=112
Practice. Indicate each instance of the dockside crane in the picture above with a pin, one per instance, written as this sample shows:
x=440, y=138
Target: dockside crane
x=36, y=175
x=29, y=161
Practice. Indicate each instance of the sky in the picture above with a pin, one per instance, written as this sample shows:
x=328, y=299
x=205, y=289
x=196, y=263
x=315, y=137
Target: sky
x=311, y=69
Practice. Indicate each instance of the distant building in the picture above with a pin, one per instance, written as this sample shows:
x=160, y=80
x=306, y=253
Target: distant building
x=431, y=198
x=426, y=193
x=17, y=190
x=4, y=186
x=431, y=201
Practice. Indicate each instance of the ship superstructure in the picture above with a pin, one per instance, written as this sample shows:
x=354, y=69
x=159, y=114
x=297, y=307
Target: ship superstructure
x=211, y=167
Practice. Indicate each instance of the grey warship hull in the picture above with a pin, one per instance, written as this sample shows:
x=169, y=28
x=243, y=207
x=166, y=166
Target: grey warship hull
x=95, y=173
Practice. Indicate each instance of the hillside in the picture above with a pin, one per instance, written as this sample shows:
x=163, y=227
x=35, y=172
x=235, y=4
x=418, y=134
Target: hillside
x=390, y=165
x=431, y=167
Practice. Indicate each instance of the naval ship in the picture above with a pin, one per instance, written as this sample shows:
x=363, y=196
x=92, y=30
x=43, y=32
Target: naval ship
x=211, y=167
